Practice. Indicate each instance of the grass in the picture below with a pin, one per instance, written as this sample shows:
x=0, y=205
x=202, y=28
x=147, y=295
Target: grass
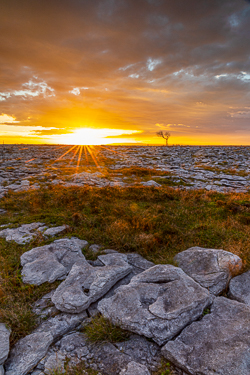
x=102, y=330
x=157, y=223
x=79, y=369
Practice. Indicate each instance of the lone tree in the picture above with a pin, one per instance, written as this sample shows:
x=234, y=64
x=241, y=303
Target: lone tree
x=164, y=135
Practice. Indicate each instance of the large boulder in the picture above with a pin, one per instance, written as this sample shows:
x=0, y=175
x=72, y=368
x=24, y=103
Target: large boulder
x=239, y=288
x=51, y=262
x=210, y=268
x=158, y=303
x=217, y=344
x=4, y=342
x=85, y=284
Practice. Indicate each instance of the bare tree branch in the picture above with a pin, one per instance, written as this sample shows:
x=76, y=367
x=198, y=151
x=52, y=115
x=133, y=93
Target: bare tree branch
x=164, y=135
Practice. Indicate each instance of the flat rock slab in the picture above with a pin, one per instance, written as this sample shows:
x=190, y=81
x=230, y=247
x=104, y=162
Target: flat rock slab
x=51, y=262
x=23, y=234
x=4, y=342
x=210, y=268
x=55, y=230
x=27, y=352
x=218, y=344
x=239, y=288
x=158, y=303
x=85, y=284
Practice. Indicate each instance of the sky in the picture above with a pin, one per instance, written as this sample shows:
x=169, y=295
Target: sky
x=119, y=71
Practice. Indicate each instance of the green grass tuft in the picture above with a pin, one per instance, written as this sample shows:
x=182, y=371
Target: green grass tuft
x=102, y=330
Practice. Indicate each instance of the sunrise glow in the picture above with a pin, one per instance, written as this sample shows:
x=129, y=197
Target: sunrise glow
x=90, y=136
x=117, y=72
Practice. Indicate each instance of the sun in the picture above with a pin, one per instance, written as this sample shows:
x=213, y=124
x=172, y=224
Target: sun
x=94, y=136
x=86, y=136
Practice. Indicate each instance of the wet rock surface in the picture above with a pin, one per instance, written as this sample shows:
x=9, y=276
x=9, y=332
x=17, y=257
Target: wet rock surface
x=215, y=168
x=210, y=268
x=218, y=344
x=157, y=303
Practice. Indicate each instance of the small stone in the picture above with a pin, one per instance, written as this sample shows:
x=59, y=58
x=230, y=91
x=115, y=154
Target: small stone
x=95, y=248
x=134, y=368
x=55, y=230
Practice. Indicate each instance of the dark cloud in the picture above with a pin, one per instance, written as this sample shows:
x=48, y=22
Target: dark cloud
x=136, y=63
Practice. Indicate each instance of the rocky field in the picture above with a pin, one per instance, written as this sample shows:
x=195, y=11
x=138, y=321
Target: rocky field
x=220, y=169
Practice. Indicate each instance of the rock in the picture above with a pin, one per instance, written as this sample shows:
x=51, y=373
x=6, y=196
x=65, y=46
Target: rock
x=136, y=260
x=134, y=368
x=55, y=362
x=218, y=344
x=109, y=358
x=210, y=268
x=44, y=307
x=239, y=288
x=2, y=212
x=158, y=303
x=85, y=284
x=23, y=234
x=141, y=351
x=2, y=372
x=95, y=248
x=27, y=352
x=151, y=183
x=55, y=230
x=4, y=342
x=61, y=324
x=51, y=262
x=25, y=183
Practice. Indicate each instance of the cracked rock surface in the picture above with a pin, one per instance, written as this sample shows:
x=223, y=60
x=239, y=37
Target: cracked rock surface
x=109, y=359
x=23, y=234
x=85, y=284
x=51, y=262
x=158, y=303
x=218, y=344
x=210, y=268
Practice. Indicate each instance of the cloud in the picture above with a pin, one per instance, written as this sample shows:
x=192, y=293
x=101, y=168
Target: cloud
x=143, y=62
x=7, y=119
